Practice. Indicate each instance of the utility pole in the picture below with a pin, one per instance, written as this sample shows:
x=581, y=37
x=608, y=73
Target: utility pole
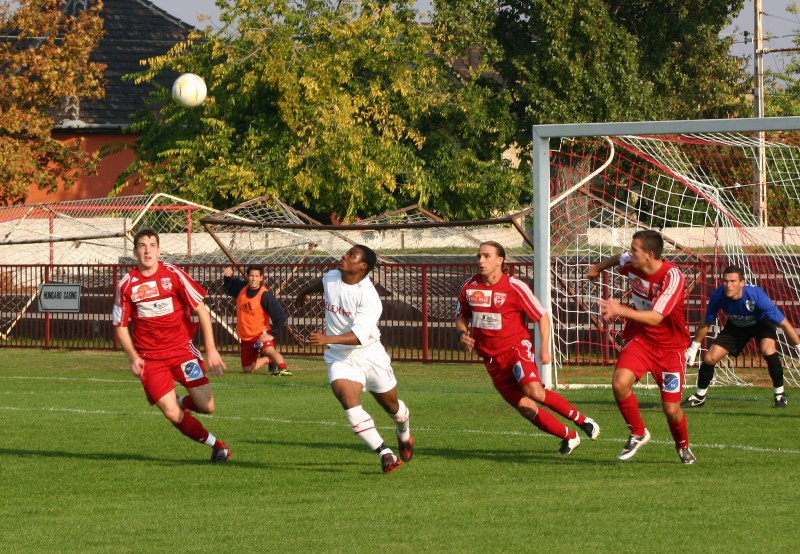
x=760, y=170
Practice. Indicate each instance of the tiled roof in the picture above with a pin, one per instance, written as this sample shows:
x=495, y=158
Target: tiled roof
x=134, y=30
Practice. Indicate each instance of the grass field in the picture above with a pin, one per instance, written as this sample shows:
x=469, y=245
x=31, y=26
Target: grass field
x=88, y=466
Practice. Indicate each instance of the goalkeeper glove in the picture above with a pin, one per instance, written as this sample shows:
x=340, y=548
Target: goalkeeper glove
x=691, y=352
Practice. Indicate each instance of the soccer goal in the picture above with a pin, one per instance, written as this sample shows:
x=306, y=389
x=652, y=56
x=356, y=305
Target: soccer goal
x=423, y=260
x=722, y=192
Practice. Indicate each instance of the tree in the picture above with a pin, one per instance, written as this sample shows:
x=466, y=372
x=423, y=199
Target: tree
x=577, y=61
x=44, y=57
x=337, y=107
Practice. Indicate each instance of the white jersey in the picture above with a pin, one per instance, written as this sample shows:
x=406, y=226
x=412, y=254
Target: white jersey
x=355, y=308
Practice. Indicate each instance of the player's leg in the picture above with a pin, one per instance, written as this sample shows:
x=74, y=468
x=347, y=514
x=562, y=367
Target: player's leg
x=400, y=414
x=190, y=426
x=191, y=374
x=724, y=344
x=248, y=355
x=347, y=382
x=563, y=407
x=768, y=348
x=510, y=376
x=282, y=369
x=670, y=374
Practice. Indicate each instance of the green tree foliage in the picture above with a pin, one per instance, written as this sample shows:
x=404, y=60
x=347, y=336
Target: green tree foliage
x=344, y=108
x=44, y=56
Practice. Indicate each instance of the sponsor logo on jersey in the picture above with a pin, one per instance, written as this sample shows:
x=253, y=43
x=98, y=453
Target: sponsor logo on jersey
x=672, y=382
x=499, y=299
x=639, y=286
x=479, y=298
x=192, y=370
x=750, y=305
x=144, y=291
x=155, y=308
x=166, y=283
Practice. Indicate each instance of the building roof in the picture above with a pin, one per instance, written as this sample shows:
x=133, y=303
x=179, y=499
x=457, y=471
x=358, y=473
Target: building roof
x=134, y=30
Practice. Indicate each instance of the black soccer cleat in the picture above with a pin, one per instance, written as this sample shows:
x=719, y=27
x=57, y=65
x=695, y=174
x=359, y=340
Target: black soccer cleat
x=635, y=442
x=221, y=455
x=781, y=401
x=694, y=401
x=568, y=446
x=591, y=428
x=686, y=456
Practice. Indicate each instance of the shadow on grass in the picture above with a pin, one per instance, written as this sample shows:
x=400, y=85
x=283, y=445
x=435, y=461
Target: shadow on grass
x=490, y=455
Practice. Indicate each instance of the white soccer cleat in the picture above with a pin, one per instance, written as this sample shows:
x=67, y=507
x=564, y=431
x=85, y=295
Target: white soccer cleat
x=569, y=445
x=591, y=428
x=635, y=442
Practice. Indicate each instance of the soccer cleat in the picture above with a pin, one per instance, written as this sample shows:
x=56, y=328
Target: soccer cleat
x=635, y=442
x=591, y=428
x=569, y=445
x=406, y=449
x=686, y=456
x=390, y=462
x=221, y=455
x=281, y=373
x=781, y=401
x=694, y=401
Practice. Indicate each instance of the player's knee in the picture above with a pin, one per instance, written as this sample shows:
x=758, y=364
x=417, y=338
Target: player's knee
x=173, y=414
x=527, y=408
x=534, y=391
x=673, y=411
x=208, y=407
x=248, y=368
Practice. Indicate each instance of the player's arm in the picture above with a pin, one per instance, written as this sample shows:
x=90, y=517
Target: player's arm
x=611, y=308
x=699, y=334
x=348, y=338
x=544, y=336
x=314, y=287
x=791, y=333
x=277, y=314
x=465, y=340
x=231, y=284
x=213, y=359
x=125, y=340
x=595, y=270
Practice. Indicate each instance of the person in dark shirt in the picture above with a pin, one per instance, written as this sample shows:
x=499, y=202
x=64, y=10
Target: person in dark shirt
x=259, y=319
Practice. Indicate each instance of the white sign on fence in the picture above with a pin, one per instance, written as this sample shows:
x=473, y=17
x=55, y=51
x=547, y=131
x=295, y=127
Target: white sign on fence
x=58, y=297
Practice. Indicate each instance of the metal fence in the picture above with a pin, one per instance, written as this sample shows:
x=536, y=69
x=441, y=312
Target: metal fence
x=417, y=324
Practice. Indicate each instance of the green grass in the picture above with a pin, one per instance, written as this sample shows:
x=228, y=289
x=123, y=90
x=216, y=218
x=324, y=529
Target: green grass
x=87, y=466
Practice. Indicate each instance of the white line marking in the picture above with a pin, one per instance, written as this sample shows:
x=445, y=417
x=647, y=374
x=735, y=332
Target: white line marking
x=717, y=446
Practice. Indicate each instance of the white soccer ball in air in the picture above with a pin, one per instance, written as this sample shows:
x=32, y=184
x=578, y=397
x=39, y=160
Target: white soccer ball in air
x=189, y=90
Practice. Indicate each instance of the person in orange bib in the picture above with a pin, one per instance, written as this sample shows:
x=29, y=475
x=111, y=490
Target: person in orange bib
x=260, y=318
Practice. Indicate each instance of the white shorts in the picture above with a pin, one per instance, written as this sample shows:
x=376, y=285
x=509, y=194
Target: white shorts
x=371, y=366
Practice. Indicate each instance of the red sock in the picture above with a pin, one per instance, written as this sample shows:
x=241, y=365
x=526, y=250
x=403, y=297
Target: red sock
x=545, y=421
x=629, y=408
x=562, y=406
x=188, y=403
x=282, y=366
x=192, y=428
x=680, y=433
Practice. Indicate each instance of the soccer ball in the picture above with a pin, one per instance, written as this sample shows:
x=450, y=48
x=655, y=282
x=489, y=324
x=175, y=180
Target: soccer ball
x=189, y=90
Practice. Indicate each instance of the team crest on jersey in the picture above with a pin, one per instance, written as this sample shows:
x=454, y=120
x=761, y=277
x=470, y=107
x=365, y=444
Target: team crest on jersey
x=166, y=283
x=192, y=370
x=750, y=305
x=499, y=299
x=144, y=291
x=672, y=382
x=479, y=298
x=639, y=286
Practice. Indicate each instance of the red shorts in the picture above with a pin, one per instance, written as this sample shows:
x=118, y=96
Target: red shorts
x=159, y=376
x=248, y=352
x=667, y=367
x=511, y=369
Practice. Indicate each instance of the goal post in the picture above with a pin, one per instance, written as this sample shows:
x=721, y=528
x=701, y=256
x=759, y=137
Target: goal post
x=721, y=191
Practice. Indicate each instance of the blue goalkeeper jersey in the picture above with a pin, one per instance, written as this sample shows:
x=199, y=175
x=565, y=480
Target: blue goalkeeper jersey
x=752, y=307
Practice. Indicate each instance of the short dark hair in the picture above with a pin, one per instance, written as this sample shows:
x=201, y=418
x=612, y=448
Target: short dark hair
x=254, y=268
x=368, y=255
x=652, y=241
x=146, y=232
x=734, y=269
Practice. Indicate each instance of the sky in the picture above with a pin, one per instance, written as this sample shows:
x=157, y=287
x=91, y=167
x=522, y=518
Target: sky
x=779, y=25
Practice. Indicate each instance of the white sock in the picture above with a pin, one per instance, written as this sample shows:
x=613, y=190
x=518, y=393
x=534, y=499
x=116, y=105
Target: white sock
x=364, y=427
x=211, y=440
x=778, y=390
x=401, y=422
x=701, y=392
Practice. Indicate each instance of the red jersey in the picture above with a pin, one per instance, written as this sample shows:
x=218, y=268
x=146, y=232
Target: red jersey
x=663, y=292
x=160, y=307
x=498, y=313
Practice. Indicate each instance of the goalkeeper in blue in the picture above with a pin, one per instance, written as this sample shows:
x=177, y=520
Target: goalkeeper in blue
x=751, y=315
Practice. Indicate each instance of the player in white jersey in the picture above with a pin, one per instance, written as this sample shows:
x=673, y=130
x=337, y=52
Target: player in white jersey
x=356, y=358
